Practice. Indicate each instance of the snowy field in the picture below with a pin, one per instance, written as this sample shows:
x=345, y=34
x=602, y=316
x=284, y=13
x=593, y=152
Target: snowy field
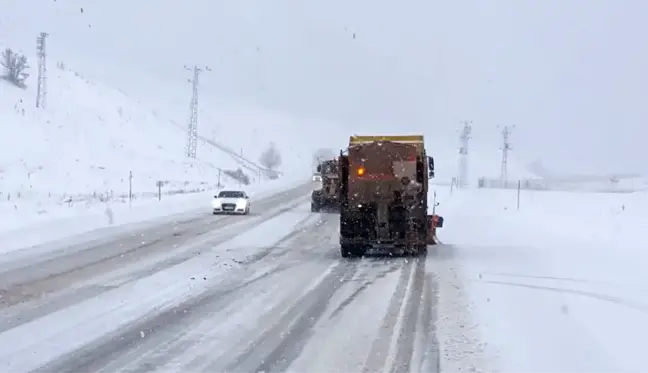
x=602, y=185
x=556, y=286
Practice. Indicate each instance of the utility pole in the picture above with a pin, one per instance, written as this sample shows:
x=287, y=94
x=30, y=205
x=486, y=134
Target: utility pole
x=192, y=131
x=41, y=89
x=506, y=146
x=466, y=135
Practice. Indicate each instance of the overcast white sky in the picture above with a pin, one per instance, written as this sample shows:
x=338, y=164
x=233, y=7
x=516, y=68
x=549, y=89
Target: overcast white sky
x=569, y=74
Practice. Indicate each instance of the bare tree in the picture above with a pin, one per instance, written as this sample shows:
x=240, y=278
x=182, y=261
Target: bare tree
x=271, y=157
x=16, y=66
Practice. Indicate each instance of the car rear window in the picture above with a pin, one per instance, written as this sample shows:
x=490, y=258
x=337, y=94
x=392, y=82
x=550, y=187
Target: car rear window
x=230, y=194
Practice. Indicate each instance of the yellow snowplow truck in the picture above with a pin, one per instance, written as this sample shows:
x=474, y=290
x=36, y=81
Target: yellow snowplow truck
x=383, y=196
x=327, y=196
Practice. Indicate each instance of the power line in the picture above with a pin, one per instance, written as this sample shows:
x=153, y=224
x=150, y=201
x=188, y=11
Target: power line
x=506, y=147
x=192, y=131
x=41, y=91
x=464, y=138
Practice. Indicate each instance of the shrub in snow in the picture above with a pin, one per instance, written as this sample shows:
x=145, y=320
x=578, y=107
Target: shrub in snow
x=15, y=65
x=271, y=157
x=238, y=175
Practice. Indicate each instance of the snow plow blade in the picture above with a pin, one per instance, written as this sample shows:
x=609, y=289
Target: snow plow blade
x=434, y=222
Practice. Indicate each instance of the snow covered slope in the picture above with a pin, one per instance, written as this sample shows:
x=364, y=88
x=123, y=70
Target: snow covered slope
x=88, y=140
x=556, y=286
x=84, y=146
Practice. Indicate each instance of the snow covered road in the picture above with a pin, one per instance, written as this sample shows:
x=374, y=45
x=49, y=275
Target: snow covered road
x=261, y=293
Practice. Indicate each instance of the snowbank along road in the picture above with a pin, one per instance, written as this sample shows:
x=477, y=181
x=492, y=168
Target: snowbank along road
x=267, y=292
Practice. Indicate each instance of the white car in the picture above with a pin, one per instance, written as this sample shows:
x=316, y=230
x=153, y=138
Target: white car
x=231, y=202
x=317, y=177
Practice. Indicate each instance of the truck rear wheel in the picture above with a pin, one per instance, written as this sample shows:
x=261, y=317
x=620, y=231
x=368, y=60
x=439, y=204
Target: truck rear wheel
x=351, y=250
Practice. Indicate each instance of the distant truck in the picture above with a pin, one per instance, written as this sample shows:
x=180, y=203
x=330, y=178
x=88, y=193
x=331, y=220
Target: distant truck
x=383, y=196
x=327, y=197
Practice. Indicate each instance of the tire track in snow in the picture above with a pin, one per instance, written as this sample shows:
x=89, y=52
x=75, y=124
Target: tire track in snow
x=91, y=263
x=92, y=357
x=193, y=336
x=300, y=229
x=276, y=348
x=429, y=360
x=382, y=347
x=220, y=238
x=637, y=306
x=101, y=354
x=366, y=282
x=302, y=247
x=406, y=337
x=561, y=279
x=25, y=297
x=132, y=246
x=204, y=344
x=383, y=320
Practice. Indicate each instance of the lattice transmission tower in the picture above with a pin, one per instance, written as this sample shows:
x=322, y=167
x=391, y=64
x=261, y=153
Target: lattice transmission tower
x=192, y=131
x=464, y=139
x=506, y=147
x=41, y=88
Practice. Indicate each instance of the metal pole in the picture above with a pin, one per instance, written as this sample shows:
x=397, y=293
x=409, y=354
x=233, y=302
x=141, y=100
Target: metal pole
x=518, y=193
x=464, y=139
x=434, y=203
x=41, y=89
x=130, y=187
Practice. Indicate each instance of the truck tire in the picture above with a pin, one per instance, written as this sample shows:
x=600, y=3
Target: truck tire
x=314, y=207
x=351, y=251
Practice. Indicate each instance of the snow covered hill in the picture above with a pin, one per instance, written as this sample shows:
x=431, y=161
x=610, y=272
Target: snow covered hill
x=89, y=139
x=93, y=143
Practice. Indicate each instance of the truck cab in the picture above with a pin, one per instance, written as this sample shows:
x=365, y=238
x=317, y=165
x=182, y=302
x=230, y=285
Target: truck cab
x=327, y=196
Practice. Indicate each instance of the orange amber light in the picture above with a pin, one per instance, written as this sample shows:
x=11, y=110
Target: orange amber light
x=361, y=171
